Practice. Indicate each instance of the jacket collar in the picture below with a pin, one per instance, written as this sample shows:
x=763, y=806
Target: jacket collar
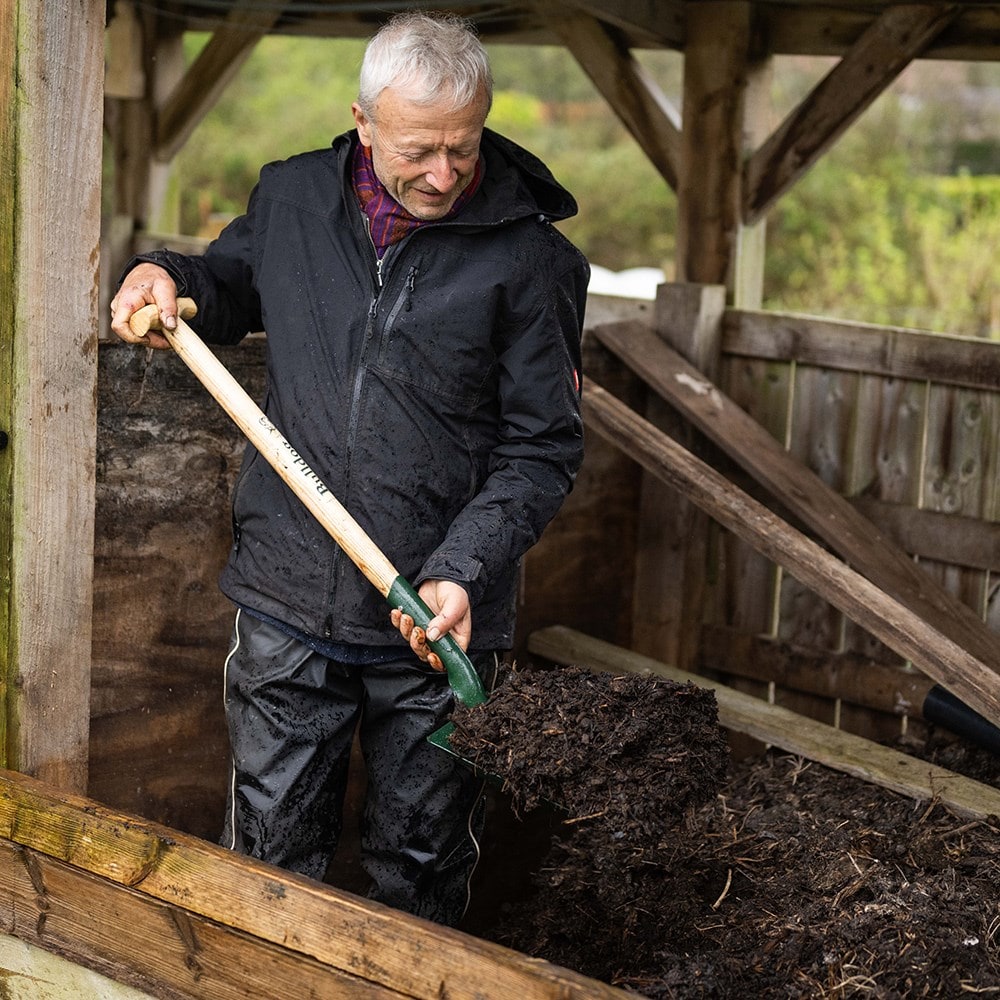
x=515, y=185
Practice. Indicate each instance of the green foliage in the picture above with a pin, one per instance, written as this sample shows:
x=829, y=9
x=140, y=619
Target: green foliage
x=292, y=94
x=628, y=214
x=873, y=232
x=864, y=236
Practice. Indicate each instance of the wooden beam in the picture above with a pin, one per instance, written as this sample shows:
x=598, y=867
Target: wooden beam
x=199, y=886
x=672, y=535
x=647, y=23
x=9, y=123
x=931, y=534
x=832, y=29
x=895, y=352
x=900, y=34
x=164, y=951
x=51, y=183
x=631, y=92
x=708, y=195
x=786, y=730
x=855, y=679
x=930, y=649
x=827, y=513
x=217, y=63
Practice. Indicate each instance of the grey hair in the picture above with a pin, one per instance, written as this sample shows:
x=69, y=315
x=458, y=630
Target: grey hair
x=429, y=57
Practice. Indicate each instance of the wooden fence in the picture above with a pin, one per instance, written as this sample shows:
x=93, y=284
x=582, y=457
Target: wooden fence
x=904, y=424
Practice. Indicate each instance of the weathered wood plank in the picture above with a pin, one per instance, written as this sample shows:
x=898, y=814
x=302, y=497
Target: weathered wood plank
x=375, y=944
x=51, y=162
x=888, y=431
x=633, y=95
x=960, y=474
x=778, y=727
x=822, y=509
x=672, y=533
x=819, y=438
x=8, y=315
x=889, y=688
x=935, y=535
x=899, y=35
x=654, y=24
x=895, y=352
x=163, y=950
x=763, y=389
x=799, y=28
x=931, y=650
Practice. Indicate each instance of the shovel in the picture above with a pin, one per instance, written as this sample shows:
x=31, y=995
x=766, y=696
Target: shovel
x=309, y=488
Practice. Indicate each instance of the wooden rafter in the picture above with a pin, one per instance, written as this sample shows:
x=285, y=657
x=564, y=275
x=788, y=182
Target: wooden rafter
x=876, y=59
x=220, y=60
x=632, y=94
x=646, y=22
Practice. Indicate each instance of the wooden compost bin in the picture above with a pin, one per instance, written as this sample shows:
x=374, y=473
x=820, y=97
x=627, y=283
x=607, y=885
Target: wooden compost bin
x=901, y=426
x=177, y=917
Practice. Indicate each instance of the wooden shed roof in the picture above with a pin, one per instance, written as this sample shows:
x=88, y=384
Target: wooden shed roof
x=782, y=27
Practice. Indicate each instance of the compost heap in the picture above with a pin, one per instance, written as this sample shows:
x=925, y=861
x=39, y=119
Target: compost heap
x=787, y=879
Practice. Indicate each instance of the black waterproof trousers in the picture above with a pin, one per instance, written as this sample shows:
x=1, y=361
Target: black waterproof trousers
x=292, y=714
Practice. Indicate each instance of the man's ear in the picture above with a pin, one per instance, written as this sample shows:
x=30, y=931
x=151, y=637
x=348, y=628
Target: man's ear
x=363, y=124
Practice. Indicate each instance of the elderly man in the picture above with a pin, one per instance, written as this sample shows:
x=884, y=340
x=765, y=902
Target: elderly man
x=423, y=322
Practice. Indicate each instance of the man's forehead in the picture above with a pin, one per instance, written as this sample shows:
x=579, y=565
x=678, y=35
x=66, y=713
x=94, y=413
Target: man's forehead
x=441, y=114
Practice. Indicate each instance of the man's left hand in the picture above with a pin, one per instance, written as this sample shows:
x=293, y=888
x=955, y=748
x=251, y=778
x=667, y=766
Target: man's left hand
x=449, y=603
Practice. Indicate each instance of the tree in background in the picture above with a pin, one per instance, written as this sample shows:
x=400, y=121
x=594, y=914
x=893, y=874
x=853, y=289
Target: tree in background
x=897, y=224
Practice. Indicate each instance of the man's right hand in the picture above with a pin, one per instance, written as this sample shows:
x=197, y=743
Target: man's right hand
x=145, y=284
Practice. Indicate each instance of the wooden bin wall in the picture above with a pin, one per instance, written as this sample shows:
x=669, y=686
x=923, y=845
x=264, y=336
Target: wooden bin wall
x=904, y=423
x=907, y=425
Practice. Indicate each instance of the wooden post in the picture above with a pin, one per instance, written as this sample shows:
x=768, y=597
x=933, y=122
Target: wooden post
x=50, y=159
x=671, y=545
x=709, y=201
x=751, y=240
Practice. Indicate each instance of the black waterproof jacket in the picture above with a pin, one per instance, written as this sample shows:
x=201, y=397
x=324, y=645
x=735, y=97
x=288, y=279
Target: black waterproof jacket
x=436, y=394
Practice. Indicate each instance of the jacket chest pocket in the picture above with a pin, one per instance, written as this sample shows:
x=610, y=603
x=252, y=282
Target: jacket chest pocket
x=439, y=339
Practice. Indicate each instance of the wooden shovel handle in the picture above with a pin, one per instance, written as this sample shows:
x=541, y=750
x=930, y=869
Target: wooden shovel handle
x=148, y=317
x=309, y=488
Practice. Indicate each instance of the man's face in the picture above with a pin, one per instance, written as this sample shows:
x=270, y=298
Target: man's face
x=424, y=155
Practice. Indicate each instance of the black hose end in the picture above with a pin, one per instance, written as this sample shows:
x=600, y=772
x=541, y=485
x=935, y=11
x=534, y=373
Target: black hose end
x=944, y=709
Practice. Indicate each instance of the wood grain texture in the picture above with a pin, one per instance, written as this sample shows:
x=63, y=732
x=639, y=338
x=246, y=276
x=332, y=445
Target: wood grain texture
x=53, y=131
x=202, y=896
x=894, y=352
x=821, y=508
x=630, y=91
x=911, y=636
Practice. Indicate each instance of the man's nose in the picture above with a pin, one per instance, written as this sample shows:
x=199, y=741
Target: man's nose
x=441, y=173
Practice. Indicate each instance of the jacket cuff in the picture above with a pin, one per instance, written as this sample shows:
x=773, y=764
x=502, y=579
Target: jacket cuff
x=465, y=571
x=162, y=259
